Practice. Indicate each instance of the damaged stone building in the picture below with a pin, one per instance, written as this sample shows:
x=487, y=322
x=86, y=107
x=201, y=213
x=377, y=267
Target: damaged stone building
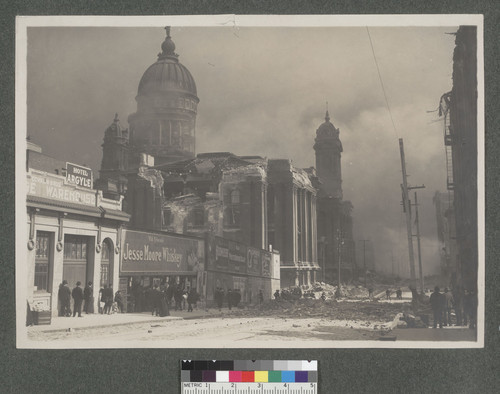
x=336, y=244
x=265, y=204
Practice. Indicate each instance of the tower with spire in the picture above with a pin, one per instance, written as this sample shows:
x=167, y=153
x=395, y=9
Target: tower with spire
x=115, y=151
x=328, y=148
x=164, y=125
x=335, y=232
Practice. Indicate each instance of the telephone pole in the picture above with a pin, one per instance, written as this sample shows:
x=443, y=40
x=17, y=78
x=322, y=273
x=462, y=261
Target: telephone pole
x=407, y=207
x=364, y=256
x=418, y=246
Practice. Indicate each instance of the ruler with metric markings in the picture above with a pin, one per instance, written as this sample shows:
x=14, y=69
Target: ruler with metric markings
x=249, y=388
x=249, y=377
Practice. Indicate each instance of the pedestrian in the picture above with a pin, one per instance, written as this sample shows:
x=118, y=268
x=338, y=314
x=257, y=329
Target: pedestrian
x=323, y=297
x=458, y=303
x=437, y=303
x=192, y=298
x=219, y=296
x=261, y=297
x=88, y=297
x=108, y=299
x=236, y=297
x=399, y=294
x=163, y=305
x=77, y=295
x=470, y=308
x=119, y=301
x=277, y=294
x=388, y=294
x=64, y=296
x=448, y=304
x=229, y=298
x=178, y=297
x=155, y=301
x=370, y=293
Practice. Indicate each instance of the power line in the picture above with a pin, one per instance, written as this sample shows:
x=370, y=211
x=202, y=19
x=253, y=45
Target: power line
x=381, y=82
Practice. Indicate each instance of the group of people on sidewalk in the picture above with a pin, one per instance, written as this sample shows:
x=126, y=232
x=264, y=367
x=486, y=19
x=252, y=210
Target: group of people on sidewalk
x=86, y=297
x=462, y=301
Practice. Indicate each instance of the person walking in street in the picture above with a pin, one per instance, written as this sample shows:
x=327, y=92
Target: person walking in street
x=77, y=295
x=88, y=297
x=388, y=294
x=277, y=294
x=64, y=296
x=448, y=304
x=370, y=293
x=399, y=294
x=437, y=303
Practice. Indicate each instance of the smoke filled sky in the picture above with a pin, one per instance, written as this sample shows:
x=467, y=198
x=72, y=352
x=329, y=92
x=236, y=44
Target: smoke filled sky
x=263, y=91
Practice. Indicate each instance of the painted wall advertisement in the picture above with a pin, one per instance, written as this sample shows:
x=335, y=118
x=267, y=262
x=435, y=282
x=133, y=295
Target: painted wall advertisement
x=143, y=252
x=55, y=187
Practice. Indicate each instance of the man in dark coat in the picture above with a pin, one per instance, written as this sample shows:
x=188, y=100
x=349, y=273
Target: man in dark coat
x=437, y=303
x=108, y=298
x=77, y=295
x=88, y=307
x=119, y=300
x=64, y=296
x=192, y=299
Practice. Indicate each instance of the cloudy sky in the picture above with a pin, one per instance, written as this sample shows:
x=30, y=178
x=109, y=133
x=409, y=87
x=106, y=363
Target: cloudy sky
x=263, y=91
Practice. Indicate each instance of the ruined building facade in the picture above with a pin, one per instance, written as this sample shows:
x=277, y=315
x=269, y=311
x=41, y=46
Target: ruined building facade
x=459, y=108
x=248, y=200
x=336, y=247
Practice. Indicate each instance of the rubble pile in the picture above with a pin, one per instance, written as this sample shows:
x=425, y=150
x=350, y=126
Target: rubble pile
x=317, y=308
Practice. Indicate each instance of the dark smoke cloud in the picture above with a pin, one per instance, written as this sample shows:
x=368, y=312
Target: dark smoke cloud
x=263, y=91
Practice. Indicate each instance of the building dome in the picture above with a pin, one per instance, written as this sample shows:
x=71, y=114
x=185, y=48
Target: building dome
x=327, y=129
x=167, y=74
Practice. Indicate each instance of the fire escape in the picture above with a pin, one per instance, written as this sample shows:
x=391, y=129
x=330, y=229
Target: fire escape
x=444, y=110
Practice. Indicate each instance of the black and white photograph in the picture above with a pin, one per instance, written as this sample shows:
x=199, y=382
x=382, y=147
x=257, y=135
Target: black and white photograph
x=250, y=182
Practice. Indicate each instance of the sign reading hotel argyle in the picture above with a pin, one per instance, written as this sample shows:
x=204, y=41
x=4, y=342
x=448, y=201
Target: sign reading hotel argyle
x=143, y=252
x=53, y=187
x=78, y=175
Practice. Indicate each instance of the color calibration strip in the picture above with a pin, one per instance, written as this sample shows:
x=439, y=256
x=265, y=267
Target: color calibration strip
x=249, y=377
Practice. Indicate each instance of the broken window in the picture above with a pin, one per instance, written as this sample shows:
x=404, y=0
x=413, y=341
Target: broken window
x=167, y=217
x=233, y=210
x=199, y=217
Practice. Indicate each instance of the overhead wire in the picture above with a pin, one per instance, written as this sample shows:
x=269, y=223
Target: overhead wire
x=382, y=83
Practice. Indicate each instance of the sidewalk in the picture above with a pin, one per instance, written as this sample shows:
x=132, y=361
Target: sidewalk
x=98, y=320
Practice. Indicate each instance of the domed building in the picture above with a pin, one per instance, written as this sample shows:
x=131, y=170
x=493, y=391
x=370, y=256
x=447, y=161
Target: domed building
x=164, y=125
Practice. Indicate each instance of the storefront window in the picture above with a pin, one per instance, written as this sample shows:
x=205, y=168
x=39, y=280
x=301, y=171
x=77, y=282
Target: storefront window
x=42, y=261
x=75, y=248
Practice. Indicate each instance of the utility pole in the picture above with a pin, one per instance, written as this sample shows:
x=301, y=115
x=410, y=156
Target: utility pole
x=364, y=256
x=339, y=236
x=418, y=246
x=406, y=207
